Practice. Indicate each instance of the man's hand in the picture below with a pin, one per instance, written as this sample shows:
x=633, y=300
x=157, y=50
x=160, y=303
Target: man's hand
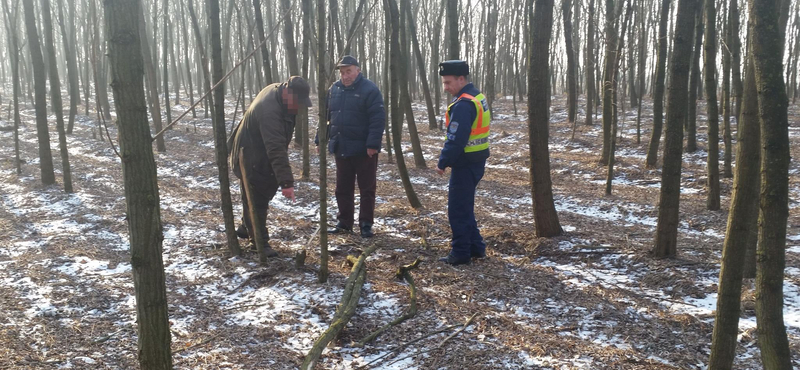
x=288, y=193
x=440, y=171
x=371, y=152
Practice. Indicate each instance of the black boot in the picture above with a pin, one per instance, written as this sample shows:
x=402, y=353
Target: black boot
x=241, y=231
x=455, y=261
x=268, y=251
x=366, y=230
x=340, y=228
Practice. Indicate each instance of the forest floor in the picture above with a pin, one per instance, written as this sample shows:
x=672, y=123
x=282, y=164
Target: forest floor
x=590, y=299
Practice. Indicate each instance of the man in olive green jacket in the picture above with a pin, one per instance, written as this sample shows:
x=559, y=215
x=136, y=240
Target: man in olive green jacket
x=264, y=135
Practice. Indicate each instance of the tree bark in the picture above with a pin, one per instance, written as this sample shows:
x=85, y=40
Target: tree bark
x=767, y=50
x=261, y=35
x=691, y=119
x=710, y=57
x=55, y=93
x=426, y=91
x=141, y=187
x=544, y=210
x=14, y=56
x=742, y=223
x=666, y=238
x=658, y=89
x=151, y=82
x=397, y=74
x=68, y=37
x=572, y=83
x=304, y=119
x=322, y=92
x=727, y=171
x=40, y=92
x=165, y=55
x=453, y=39
x=589, y=64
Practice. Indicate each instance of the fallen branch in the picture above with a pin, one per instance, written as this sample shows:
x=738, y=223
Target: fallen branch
x=406, y=344
x=402, y=273
x=200, y=343
x=466, y=325
x=345, y=311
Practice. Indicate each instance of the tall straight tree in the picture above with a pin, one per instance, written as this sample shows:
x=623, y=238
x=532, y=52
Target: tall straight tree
x=426, y=91
x=165, y=64
x=609, y=72
x=265, y=56
x=490, y=52
x=735, y=46
x=405, y=95
x=694, y=80
x=727, y=171
x=68, y=37
x=55, y=93
x=709, y=61
x=453, y=39
x=40, y=92
x=666, y=238
x=14, y=55
x=572, y=79
x=219, y=130
x=307, y=17
x=742, y=224
x=141, y=186
x=322, y=92
x=398, y=76
x=589, y=64
x=658, y=88
x=151, y=83
x=767, y=41
x=544, y=209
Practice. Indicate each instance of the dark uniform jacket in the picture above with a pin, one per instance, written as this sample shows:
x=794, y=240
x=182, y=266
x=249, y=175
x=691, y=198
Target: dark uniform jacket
x=357, y=118
x=265, y=132
x=462, y=115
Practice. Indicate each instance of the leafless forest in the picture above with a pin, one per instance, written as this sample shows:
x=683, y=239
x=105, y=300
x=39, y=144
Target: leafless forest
x=640, y=205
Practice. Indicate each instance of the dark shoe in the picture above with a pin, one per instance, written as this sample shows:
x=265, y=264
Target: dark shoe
x=241, y=231
x=455, y=261
x=269, y=252
x=366, y=230
x=339, y=229
x=478, y=254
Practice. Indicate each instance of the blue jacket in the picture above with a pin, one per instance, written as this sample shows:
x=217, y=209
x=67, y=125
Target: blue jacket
x=357, y=117
x=462, y=115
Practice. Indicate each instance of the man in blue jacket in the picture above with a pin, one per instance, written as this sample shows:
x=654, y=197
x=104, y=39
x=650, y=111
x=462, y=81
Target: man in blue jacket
x=356, y=117
x=465, y=151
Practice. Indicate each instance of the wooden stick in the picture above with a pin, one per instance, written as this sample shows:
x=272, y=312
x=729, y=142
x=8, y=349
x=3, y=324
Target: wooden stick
x=403, y=273
x=254, y=222
x=345, y=311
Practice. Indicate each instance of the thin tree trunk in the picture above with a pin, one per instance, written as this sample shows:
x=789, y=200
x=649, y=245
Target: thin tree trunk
x=220, y=146
x=165, y=55
x=141, y=186
x=68, y=38
x=742, y=223
x=658, y=89
x=14, y=56
x=710, y=57
x=453, y=42
x=589, y=64
x=767, y=50
x=261, y=35
x=397, y=73
x=694, y=80
x=727, y=171
x=666, y=238
x=187, y=61
x=490, y=54
x=544, y=210
x=303, y=121
x=322, y=92
x=39, y=82
x=735, y=45
x=608, y=79
x=426, y=91
x=572, y=83
x=151, y=83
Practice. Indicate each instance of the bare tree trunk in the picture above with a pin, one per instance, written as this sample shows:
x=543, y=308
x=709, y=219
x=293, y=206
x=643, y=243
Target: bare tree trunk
x=14, y=55
x=694, y=80
x=187, y=61
x=742, y=223
x=572, y=83
x=151, y=83
x=767, y=43
x=710, y=54
x=55, y=93
x=426, y=91
x=608, y=78
x=453, y=40
x=658, y=89
x=165, y=54
x=220, y=146
x=261, y=35
x=544, y=210
x=735, y=45
x=39, y=77
x=322, y=92
x=68, y=37
x=304, y=119
x=589, y=64
x=666, y=238
x=141, y=186
x=397, y=74
x=727, y=171
x=490, y=54
x=405, y=96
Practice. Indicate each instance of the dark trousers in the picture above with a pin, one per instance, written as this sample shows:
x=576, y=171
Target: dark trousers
x=264, y=188
x=467, y=238
x=348, y=170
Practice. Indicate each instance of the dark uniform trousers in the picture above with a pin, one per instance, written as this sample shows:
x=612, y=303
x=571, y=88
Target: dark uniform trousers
x=348, y=170
x=467, y=239
x=264, y=186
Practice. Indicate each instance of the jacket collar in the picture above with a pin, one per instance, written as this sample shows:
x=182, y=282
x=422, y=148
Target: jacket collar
x=468, y=87
x=355, y=82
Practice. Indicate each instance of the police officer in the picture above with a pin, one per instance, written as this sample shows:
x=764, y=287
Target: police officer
x=465, y=151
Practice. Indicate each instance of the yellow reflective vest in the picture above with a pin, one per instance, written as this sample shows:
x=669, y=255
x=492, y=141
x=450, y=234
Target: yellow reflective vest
x=479, y=136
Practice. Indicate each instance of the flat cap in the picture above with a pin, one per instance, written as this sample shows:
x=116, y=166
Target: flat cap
x=453, y=68
x=348, y=60
x=299, y=86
